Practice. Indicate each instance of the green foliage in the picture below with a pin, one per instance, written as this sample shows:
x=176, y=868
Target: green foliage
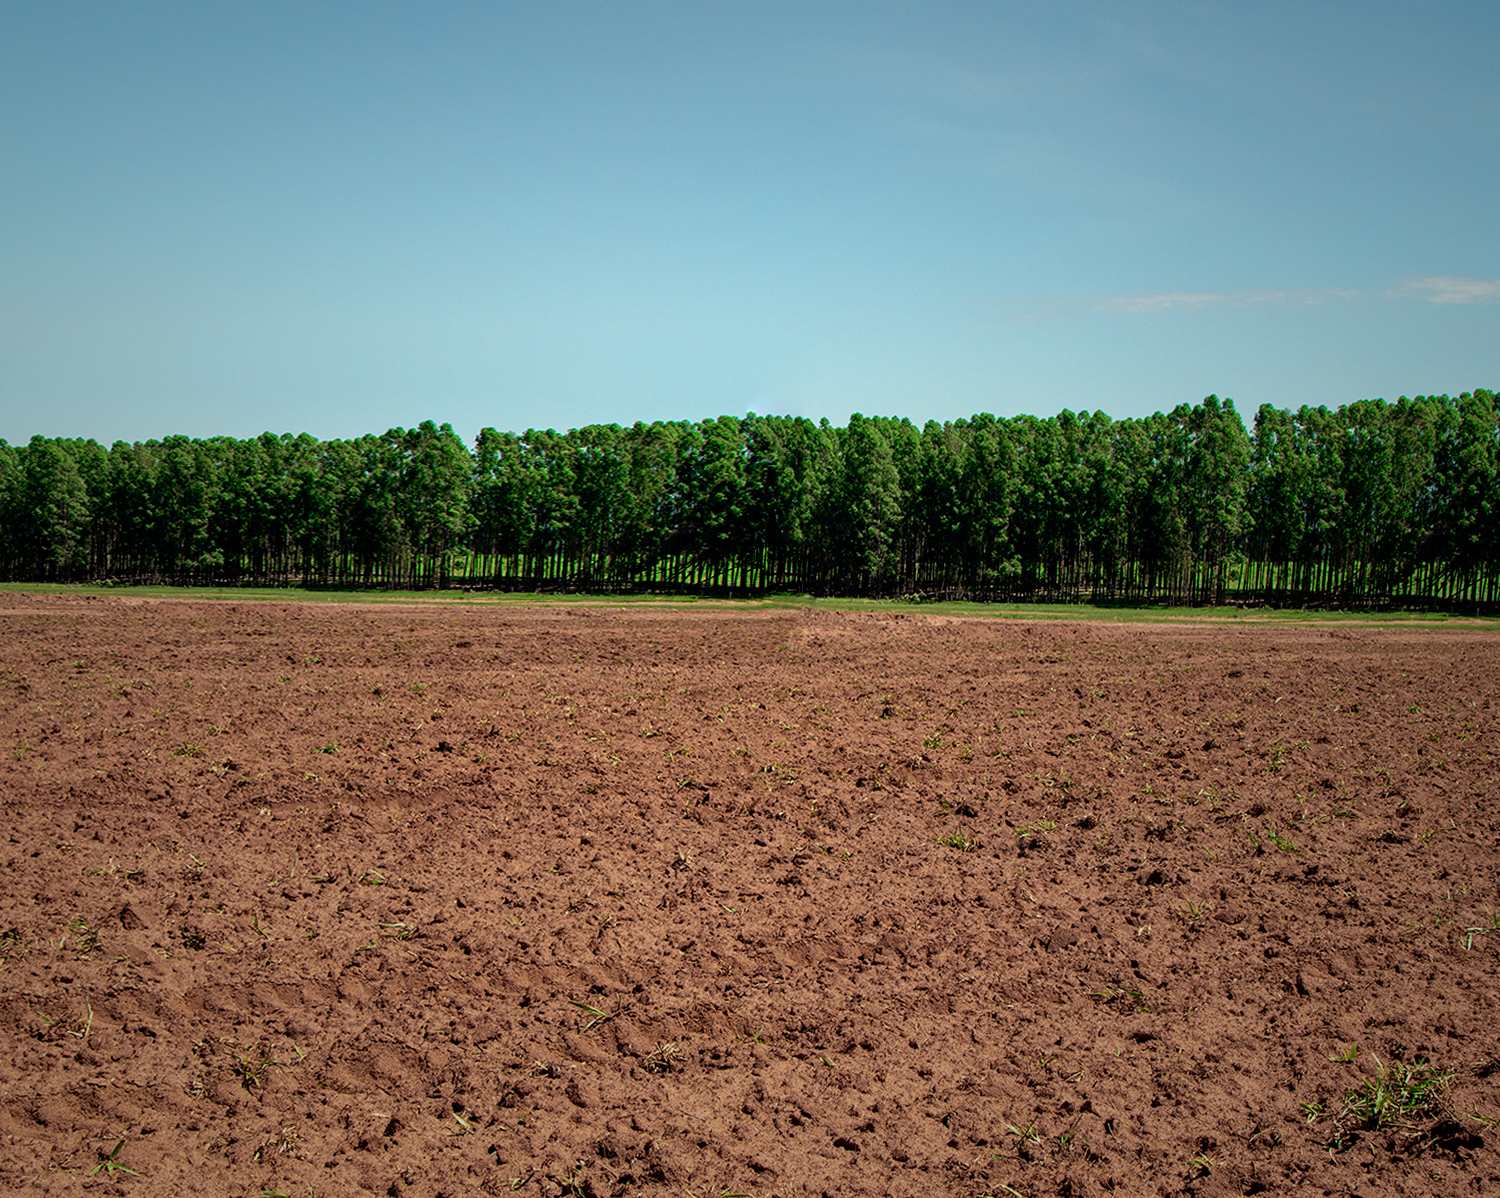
x=1400, y=1095
x=110, y=1164
x=1372, y=504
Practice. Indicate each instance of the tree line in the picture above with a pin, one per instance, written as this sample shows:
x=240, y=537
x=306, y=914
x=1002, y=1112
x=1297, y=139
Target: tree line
x=1368, y=504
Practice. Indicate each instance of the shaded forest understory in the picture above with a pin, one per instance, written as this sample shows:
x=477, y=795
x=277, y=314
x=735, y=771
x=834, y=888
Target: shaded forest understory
x=1373, y=504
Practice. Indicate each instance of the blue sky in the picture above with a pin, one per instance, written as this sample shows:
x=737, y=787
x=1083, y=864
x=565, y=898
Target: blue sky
x=222, y=218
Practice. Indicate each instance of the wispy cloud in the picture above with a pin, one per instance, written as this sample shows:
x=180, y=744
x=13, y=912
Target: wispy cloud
x=1452, y=289
x=1433, y=289
x=981, y=84
x=1167, y=301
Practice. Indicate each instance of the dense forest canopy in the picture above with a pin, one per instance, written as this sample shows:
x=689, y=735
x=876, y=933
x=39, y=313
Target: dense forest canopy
x=1373, y=503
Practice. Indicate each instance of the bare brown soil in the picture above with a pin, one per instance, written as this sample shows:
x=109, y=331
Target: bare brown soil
x=305, y=899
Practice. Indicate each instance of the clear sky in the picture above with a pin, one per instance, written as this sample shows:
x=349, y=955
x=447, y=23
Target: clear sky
x=223, y=217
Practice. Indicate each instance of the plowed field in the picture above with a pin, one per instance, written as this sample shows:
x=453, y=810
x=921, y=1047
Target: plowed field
x=328, y=900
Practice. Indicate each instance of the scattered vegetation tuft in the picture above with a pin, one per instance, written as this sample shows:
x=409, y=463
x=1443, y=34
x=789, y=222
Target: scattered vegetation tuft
x=1131, y=998
x=84, y=936
x=1467, y=940
x=596, y=1016
x=254, y=1067
x=12, y=944
x=664, y=1058
x=1400, y=1096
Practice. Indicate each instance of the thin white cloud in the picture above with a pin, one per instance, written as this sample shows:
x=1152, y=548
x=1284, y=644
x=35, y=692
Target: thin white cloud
x=927, y=78
x=1168, y=301
x=1433, y=289
x=1452, y=289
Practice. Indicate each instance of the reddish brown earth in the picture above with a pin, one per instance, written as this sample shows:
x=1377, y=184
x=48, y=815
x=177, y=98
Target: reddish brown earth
x=310, y=899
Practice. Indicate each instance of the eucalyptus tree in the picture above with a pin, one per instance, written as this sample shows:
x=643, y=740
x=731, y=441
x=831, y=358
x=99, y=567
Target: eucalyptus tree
x=648, y=501
x=503, y=502
x=601, y=476
x=1323, y=503
x=551, y=459
x=54, y=511
x=1214, y=493
x=713, y=479
x=12, y=509
x=939, y=501
x=1102, y=498
x=776, y=495
x=1406, y=528
x=984, y=480
x=1274, y=499
x=867, y=513
x=1468, y=474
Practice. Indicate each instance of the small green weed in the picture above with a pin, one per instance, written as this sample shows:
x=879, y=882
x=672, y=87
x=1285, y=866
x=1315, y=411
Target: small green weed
x=596, y=1016
x=959, y=840
x=1201, y=1165
x=1127, y=996
x=573, y=1184
x=253, y=1068
x=84, y=935
x=110, y=1164
x=1467, y=940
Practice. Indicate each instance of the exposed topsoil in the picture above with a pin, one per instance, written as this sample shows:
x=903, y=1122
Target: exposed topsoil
x=304, y=899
